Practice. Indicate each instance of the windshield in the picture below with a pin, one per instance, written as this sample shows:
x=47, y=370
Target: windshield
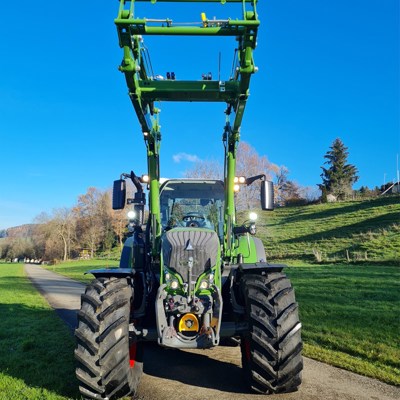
x=193, y=203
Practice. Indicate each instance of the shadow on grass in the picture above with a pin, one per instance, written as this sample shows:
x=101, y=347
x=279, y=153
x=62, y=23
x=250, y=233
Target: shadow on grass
x=202, y=370
x=18, y=285
x=35, y=347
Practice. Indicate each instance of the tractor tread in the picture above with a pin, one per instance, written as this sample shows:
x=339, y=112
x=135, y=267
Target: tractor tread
x=271, y=350
x=102, y=350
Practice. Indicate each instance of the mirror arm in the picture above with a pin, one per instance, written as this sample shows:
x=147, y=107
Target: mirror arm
x=135, y=180
x=250, y=180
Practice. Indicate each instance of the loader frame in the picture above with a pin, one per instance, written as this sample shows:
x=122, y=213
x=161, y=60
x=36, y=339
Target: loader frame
x=145, y=90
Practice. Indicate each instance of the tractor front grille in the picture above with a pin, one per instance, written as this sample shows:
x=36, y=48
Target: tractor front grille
x=181, y=243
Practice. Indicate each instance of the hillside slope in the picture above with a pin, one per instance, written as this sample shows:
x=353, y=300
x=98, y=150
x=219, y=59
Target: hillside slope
x=367, y=230
x=21, y=231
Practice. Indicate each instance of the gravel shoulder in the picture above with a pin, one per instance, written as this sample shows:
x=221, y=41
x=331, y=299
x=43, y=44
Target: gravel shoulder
x=201, y=374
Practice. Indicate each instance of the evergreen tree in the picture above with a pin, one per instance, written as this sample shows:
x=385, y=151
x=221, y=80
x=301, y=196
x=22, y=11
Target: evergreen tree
x=339, y=178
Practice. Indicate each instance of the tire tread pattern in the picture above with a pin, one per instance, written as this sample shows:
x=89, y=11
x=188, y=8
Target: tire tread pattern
x=271, y=350
x=102, y=350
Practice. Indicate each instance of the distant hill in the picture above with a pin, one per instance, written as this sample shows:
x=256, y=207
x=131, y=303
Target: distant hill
x=21, y=231
x=366, y=230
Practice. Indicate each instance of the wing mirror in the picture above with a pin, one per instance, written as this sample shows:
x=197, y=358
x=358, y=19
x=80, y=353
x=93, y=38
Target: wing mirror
x=267, y=191
x=119, y=194
x=267, y=195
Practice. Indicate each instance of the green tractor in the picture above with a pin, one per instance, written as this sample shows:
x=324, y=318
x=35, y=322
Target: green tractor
x=190, y=277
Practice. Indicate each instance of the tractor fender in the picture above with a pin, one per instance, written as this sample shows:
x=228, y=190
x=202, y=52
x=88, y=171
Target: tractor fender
x=261, y=268
x=251, y=248
x=136, y=279
x=109, y=272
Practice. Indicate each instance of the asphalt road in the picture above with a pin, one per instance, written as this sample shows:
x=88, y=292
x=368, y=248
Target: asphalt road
x=215, y=373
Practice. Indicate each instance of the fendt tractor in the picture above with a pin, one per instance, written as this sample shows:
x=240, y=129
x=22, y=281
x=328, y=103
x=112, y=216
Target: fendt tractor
x=190, y=277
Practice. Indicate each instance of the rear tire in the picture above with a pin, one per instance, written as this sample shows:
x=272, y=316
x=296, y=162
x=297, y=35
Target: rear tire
x=109, y=365
x=271, y=349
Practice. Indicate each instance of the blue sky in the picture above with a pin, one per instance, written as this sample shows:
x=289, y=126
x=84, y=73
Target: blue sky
x=327, y=69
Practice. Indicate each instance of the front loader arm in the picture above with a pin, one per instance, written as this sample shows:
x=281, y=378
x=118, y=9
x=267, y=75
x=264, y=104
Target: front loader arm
x=145, y=89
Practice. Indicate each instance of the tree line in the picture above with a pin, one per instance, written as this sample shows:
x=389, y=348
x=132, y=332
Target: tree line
x=90, y=226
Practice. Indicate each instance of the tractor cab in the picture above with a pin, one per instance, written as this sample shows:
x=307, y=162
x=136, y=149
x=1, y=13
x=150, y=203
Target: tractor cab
x=190, y=203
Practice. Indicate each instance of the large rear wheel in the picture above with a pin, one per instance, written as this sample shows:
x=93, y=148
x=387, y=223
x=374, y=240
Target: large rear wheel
x=109, y=363
x=271, y=349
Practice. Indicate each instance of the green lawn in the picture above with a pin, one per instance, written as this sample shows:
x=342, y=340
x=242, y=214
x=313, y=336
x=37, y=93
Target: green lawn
x=350, y=317
x=367, y=231
x=76, y=269
x=36, y=348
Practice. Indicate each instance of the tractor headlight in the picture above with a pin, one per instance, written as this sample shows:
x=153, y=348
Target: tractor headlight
x=174, y=284
x=145, y=179
x=253, y=216
x=239, y=179
x=131, y=215
x=206, y=282
x=171, y=280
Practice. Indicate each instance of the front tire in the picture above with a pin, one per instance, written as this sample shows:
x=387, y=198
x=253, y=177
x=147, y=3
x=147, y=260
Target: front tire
x=109, y=364
x=271, y=349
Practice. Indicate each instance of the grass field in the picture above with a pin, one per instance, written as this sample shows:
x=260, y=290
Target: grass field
x=36, y=348
x=350, y=317
x=367, y=231
x=76, y=269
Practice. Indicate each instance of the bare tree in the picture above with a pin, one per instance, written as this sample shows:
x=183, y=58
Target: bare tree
x=54, y=234
x=250, y=163
x=64, y=223
x=16, y=247
x=4, y=248
x=286, y=190
x=119, y=225
x=105, y=218
x=21, y=248
x=95, y=220
x=41, y=233
x=310, y=193
x=206, y=169
x=89, y=225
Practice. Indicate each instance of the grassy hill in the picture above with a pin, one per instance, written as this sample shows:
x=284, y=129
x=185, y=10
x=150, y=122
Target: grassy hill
x=353, y=231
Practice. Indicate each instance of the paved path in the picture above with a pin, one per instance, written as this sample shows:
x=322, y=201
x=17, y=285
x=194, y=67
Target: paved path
x=62, y=293
x=215, y=373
